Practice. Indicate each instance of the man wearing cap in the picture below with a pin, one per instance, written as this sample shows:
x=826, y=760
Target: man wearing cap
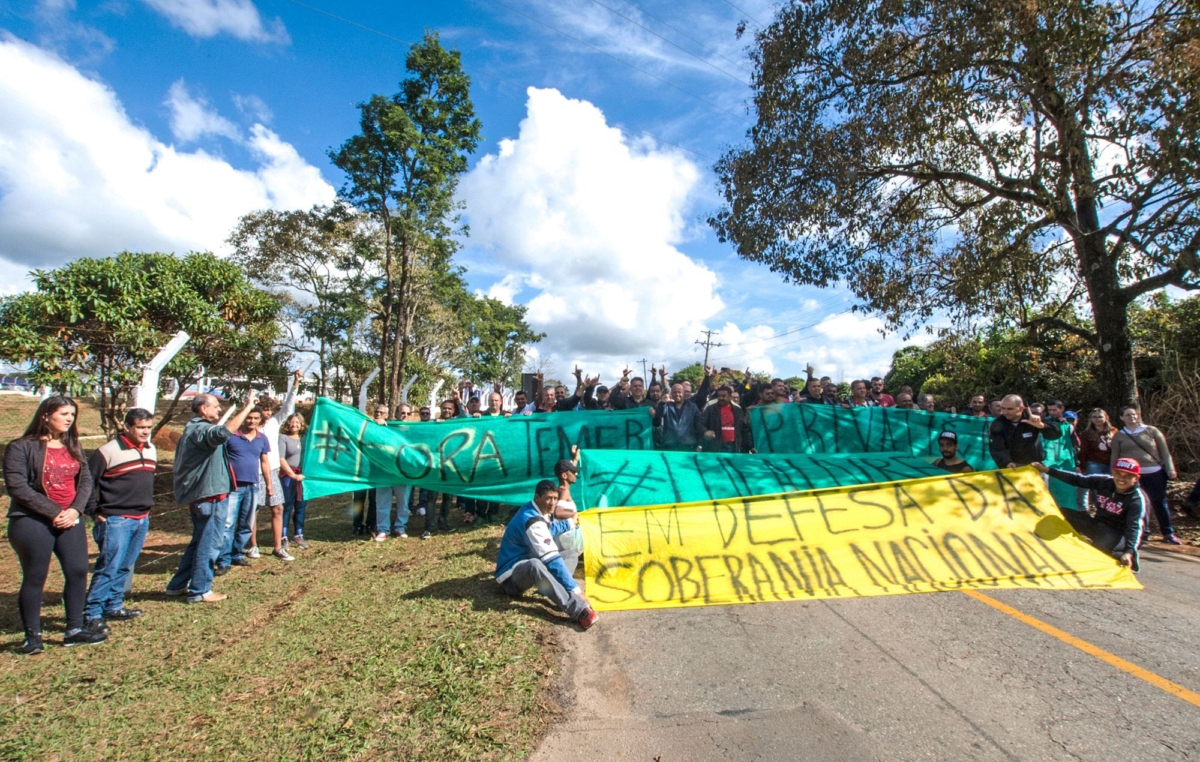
x=529, y=557
x=1120, y=508
x=948, y=443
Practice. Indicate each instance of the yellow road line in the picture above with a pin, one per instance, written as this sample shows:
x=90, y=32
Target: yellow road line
x=1156, y=680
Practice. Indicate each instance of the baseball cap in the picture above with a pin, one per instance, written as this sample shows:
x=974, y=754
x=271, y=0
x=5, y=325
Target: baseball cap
x=1128, y=465
x=1071, y=415
x=948, y=435
x=601, y=389
x=564, y=466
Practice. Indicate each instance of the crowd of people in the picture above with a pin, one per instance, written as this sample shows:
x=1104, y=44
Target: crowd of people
x=227, y=468
x=224, y=471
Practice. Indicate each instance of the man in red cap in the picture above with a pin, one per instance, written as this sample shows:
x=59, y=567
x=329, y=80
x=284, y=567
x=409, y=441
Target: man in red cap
x=1120, y=508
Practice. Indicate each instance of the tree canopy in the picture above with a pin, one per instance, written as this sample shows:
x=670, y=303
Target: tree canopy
x=92, y=324
x=994, y=160
x=403, y=169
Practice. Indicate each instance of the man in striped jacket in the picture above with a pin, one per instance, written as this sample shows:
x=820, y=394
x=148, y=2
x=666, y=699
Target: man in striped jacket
x=122, y=496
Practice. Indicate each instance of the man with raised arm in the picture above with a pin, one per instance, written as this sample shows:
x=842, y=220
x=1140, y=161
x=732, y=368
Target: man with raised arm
x=1016, y=435
x=203, y=482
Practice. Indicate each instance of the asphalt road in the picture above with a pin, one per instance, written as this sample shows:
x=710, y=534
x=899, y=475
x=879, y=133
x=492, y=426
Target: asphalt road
x=910, y=677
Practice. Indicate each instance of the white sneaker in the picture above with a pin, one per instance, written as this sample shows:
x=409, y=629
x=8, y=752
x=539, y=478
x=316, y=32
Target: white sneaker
x=283, y=555
x=253, y=553
x=380, y=537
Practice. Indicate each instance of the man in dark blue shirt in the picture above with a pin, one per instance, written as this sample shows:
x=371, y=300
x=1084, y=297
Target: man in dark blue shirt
x=247, y=451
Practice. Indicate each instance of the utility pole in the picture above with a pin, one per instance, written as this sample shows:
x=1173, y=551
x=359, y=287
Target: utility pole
x=708, y=343
x=643, y=362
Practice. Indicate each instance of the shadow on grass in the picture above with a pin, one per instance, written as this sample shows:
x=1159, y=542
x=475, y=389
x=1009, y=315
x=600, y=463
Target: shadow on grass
x=53, y=619
x=482, y=592
x=487, y=550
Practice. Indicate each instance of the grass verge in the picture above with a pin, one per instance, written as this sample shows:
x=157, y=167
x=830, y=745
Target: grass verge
x=358, y=650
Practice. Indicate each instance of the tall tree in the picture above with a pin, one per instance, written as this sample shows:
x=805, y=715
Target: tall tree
x=403, y=169
x=320, y=252
x=994, y=159
x=93, y=324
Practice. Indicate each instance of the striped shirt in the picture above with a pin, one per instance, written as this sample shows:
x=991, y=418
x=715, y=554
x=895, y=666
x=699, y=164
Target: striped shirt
x=123, y=475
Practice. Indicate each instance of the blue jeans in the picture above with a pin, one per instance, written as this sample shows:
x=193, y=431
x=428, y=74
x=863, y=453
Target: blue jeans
x=292, y=508
x=383, y=508
x=120, y=540
x=237, y=523
x=1154, y=484
x=98, y=531
x=195, y=572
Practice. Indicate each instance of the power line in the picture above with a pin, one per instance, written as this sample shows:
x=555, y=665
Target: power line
x=747, y=15
x=799, y=339
x=796, y=329
x=708, y=343
x=605, y=53
x=703, y=47
x=484, y=72
x=673, y=44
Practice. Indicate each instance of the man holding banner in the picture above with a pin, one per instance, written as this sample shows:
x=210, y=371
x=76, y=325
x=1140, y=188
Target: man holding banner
x=1120, y=508
x=529, y=557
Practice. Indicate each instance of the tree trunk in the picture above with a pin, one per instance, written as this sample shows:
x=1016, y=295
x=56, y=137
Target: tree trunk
x=403, y=325
x=321, y=369
x=1109, y=311
x=387, y=300
x=1099, y=267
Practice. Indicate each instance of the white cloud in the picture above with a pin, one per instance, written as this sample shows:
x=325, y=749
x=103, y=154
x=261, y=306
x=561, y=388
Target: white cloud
x=741, y=349
x=79, y=178
x=58, y=31
x=209, y=18
x=705, y=46
x=506, y=289
x=192, y=118
x=588, y=221
x=253, y=107
x=847, y=326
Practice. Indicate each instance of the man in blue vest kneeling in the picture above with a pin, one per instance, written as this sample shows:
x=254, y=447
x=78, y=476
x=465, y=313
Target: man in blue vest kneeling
x=529, y=557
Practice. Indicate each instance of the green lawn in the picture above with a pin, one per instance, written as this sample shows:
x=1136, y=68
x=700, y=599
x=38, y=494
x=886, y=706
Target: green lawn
x=398, y=650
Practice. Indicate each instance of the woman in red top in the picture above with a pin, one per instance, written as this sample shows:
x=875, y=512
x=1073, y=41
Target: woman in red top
x=49, y=484
x=1095, y=449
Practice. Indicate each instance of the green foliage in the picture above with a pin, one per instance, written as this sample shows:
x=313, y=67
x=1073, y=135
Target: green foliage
x=320, y=252
x=945, y=159
x=693, y=373
x=1051, y=363
x=403, y=169
x=1166, y=340
x=92, y=324
x=954, y=368
x=497, y=336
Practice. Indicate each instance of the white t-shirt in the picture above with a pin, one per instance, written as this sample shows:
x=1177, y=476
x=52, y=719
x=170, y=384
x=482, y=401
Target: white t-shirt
x=270, y=427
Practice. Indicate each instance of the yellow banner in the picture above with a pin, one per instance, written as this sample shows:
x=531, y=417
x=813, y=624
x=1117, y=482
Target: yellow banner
x=982, y=530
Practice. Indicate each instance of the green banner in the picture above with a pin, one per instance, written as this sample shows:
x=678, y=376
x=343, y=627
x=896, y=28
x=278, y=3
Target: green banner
x=497, y=459
x=820, y=429
x=610, y=478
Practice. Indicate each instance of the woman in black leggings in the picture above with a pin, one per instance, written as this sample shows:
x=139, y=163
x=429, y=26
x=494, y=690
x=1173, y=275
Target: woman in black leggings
x=48, y=485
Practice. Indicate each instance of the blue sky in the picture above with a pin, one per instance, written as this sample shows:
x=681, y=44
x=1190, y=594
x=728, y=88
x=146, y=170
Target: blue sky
x=153, y=124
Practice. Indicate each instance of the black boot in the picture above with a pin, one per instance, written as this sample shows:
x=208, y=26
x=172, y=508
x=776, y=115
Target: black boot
x=33, y=644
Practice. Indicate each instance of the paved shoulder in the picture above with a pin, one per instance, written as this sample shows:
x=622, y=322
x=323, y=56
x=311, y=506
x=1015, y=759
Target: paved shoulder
x=909, y=677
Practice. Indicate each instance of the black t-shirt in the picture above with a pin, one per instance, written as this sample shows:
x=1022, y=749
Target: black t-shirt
x=957, y=468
